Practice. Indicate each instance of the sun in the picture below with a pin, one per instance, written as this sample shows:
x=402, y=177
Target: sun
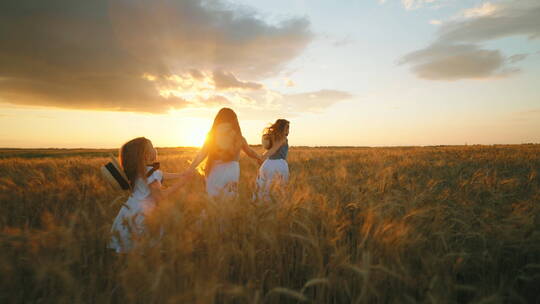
x=195, y=136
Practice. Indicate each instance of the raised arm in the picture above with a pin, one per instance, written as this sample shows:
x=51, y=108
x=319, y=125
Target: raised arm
x=274, y=148
x=250, y=152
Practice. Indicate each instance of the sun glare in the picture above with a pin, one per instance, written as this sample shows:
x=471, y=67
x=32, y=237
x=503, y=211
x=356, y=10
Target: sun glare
x=194, y=136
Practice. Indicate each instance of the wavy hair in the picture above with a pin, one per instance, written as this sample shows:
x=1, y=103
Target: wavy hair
x=275, y=132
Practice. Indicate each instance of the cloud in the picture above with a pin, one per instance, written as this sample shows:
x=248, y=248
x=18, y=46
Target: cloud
x=286, y=105
x=457, y=54
x=313, y=101
x=435, y=22
x=486, y=9
x=115, y=93
x=517, y=58
x=226, y=80
x=203, y=89
x=267, y=104
x=415, y=4
x=504, y=22
x=289, y=83
x=453, y=62
x=119, y=54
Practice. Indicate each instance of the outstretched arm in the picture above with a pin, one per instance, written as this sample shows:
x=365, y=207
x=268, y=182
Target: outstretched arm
x=158, y=193
x=203, y=153
x=169, y=176
x=250, y=152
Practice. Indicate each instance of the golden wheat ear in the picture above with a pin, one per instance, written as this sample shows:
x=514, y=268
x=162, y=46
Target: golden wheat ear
x=114, y=174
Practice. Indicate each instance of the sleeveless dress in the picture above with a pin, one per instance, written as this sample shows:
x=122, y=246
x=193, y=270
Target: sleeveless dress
x=274, y=172
x=129, y=224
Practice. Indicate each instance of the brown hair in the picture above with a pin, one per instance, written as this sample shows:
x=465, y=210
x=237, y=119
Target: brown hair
x=132, y=156
x=275, y=132
x=219, y=133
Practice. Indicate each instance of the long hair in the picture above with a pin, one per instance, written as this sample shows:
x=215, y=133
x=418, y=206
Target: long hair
x=132, y=159
x=275, y=132
x=224, y=139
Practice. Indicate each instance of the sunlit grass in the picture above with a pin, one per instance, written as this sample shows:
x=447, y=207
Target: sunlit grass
x=382, y=225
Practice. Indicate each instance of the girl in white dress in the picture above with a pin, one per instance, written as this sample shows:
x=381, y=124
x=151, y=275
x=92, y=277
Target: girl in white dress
x=145, y=192
x=222, y=152
x=274, y=172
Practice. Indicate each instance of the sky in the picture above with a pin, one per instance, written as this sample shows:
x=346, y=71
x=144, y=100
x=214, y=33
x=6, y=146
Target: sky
x=94, y=74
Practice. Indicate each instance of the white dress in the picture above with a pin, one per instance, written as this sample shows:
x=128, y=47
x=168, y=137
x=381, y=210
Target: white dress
x=222, y=182
x=130, y=221
x=272, y=173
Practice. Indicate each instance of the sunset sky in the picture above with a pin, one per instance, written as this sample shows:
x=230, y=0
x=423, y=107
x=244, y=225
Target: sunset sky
x=94, y=74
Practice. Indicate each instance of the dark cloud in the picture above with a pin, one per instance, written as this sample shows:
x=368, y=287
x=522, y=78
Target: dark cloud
x=506, y=21
x=93, y=54
x=196, y=74
x=122, y=93
x=453, y=62
x=456, y=53
x=225, y=80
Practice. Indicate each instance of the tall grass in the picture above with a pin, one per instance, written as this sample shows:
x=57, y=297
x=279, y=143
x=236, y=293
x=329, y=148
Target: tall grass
x=358, y=225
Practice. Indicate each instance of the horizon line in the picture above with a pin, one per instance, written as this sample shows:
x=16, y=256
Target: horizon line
x=292, y=146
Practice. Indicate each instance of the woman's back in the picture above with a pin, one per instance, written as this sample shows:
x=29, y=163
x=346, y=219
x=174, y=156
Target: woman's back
x=281, y=153
x=227, y=144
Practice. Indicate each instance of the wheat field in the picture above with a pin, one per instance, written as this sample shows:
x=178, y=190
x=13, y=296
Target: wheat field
x=356, y=225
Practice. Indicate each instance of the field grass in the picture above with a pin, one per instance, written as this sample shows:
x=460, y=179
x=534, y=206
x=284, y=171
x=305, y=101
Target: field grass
x=357, y=225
